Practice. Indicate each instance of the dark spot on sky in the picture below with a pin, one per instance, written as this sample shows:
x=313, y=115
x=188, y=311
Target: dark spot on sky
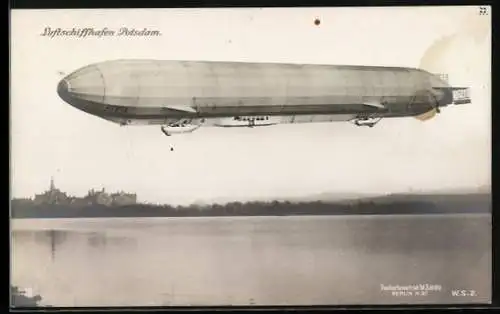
x=317, y=21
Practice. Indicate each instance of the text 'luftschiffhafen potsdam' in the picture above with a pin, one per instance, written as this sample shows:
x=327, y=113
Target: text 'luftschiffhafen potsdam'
x=98, y=32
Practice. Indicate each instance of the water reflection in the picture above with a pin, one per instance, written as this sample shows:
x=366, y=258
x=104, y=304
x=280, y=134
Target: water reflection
x=60, y=240
x=97, y=240
x=300, y=260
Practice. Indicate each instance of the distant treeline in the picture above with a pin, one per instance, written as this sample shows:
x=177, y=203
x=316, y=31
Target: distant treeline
x=378, y=206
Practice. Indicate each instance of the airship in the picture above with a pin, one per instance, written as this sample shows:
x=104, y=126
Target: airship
x=182, y=96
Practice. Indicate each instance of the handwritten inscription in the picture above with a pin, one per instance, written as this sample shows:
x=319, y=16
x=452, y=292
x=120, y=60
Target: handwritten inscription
x=87, y=32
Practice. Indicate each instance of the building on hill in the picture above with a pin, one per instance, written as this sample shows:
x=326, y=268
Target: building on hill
x=52, y=196
x=93, y=197
x=99, y=197
x=115, y=199
x=121, y=198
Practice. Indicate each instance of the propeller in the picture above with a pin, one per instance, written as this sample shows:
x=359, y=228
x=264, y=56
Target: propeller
x=432, y=97
x=427, y=115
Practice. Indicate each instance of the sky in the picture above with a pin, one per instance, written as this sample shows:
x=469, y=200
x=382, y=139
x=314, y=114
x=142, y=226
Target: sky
x=51, y=138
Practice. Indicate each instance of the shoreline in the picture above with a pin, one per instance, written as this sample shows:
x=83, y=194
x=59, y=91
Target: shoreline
x=390, y=205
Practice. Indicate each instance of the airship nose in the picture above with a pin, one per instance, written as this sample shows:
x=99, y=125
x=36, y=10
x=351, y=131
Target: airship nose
x=63, y=89
x=83, y=89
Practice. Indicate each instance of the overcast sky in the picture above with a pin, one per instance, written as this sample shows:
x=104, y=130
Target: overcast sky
x=49, y=137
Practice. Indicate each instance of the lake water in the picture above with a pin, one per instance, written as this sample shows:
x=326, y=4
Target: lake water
x=297, y=260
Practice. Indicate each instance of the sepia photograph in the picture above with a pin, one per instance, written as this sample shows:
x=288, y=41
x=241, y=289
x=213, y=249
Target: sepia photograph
x=250, y=156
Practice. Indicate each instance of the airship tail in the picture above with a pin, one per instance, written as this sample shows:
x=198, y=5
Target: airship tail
x=460, y=95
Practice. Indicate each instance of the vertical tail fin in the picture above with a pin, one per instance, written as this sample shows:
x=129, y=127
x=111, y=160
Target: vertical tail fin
x=442, y=76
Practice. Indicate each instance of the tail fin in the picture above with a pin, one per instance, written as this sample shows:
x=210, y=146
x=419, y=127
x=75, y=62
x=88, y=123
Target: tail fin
x=442, y=76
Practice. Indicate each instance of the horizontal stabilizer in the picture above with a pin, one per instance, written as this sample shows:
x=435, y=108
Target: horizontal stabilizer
x=182, y=108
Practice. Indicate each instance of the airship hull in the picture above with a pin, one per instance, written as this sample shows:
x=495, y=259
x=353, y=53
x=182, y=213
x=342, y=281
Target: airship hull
x=223, y=93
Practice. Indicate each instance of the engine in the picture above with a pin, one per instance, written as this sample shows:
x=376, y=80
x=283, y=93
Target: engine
x=180, y=127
